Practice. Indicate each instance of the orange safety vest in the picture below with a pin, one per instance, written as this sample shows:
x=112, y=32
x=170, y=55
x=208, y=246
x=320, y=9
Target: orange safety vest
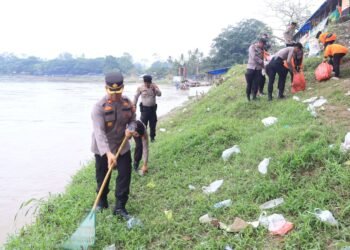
x=327, y=37
x=334, y=48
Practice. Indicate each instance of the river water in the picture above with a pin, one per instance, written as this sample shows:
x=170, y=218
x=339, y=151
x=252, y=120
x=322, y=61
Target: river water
x=45, y=136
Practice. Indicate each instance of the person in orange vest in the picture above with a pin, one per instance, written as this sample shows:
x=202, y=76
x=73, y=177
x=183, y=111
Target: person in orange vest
x=326, y=38
x=335, y=52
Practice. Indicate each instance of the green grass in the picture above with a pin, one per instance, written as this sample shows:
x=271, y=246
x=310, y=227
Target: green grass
x=303, y=170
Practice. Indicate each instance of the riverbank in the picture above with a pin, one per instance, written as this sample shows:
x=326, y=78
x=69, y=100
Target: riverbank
x=304, y=170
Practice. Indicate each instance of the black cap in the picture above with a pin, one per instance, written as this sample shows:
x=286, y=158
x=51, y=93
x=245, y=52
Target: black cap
x=147, y=78
x=114, y=82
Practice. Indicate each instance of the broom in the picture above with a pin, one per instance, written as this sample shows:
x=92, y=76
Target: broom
x=85, y=235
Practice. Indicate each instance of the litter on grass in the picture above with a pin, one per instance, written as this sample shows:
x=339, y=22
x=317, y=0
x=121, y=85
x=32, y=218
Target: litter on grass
x=162, y=130
x=205, y=219
x=229, y=152
x=263, y=165
x=296, y=98
x=271, y=204
x=237, y=225
x=168, y=214
x=348, y=93
x=345, y=146
x=111, y=247
x=191, y=187
x=213, y=187
x=225, y=203
x=151, y=184
x=312, y=110
x=133, y=222
x=325, y=216
x=310, y=100
x=318, y=103
x=269, y=121
x=275, y=223
x=254, y=224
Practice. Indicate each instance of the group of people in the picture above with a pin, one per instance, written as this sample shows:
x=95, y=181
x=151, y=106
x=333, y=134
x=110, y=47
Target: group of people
x=114, y=119
x=288, y=59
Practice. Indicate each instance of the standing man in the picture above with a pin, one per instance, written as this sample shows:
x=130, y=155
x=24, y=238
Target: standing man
x=276, y=66
x=148, y=105
x=289, y=34
x=255, y=64
x=110, y=118
x=141, y=148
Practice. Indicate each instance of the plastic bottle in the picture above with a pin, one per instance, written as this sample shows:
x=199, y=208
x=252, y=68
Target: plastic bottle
x=271, y=204
x=225, y=203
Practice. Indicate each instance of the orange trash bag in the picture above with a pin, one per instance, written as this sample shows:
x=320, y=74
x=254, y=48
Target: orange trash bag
x=323, y=71
x=299, y=82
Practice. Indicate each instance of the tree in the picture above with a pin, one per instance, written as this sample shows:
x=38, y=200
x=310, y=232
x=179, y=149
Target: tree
x=159, y=69
x=290, y=10
x=231, y=46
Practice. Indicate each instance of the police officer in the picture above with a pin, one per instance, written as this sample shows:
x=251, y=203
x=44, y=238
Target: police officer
x=289, y=34
x=276, y=66
x=141, y=148
x=110, y=118
x=148, y=105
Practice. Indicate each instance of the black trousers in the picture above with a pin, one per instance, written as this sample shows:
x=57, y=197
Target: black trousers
x=149, y=115
x=253, y=78
x=273, y=68
x=336, y=63
x=122, y=187
x=138, y=150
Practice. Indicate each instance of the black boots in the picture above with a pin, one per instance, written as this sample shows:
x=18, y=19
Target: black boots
x=120, y=211
x=269, y=97
x=102, y=204
x=136, y=166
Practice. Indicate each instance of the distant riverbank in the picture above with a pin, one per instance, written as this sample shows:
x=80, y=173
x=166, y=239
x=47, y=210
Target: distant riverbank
x=71, y=78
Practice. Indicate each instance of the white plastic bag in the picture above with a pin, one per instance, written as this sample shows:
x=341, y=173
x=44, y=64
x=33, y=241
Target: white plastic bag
x=228, y=152
x=213, y=187
x=271, y=203
x=312, y=110
x=325, y=216
x=276, y=222
x=269, y=121
x=263, y=165
x=225, y=203
x=310, y=100
x=345, y=146
x=318, y=103
x=296, y=98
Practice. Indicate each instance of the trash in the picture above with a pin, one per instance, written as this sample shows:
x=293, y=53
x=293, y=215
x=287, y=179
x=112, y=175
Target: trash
x=347, y=163
x=222, y=226
x=228, y=152
x=269, y=121
x=151, y=184
x=325, y=216
x=237, y=226
x=208, y=109
x=345, y=146
x=348, y=93
x=184, y=110
x=133, y=222
x=348, y=109
x=275, y=223
x=263, y=165
x=162, y=129
x=205, y=219
x=228, y=248
x=322, y=108
x=254, y=224
x=310, y=100
x=323, y=71
x=319, y=102
x=299, y=82
x=331, y=146
x=296, y=98
x=168, y=214
x=111, y=247
x=271, y=203
x=213, y=187
x=191, y=187
x=312, y=110
x=225, y=203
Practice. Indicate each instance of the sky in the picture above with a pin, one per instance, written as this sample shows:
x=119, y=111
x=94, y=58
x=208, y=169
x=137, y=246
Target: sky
x=148, y=30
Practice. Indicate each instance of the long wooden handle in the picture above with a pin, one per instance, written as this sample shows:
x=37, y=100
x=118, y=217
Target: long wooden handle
x=110, y=168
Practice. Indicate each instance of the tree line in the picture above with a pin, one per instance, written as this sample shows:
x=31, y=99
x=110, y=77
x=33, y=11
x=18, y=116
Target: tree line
x=228, y=48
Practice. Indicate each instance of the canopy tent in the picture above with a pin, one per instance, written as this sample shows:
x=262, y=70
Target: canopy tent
x=218, y=71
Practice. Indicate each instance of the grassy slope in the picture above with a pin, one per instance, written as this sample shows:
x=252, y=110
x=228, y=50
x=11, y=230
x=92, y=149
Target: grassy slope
x=303, y=170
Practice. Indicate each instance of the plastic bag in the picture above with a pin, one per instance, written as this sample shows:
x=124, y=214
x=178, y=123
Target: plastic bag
x=323, y=71
x=325, y=216
x=225, y=203
x=269, y=121
x=299, y=82
x=228, y=152
x=213, y=187
x=263, y=165
x=345, y=146
x=318, y=103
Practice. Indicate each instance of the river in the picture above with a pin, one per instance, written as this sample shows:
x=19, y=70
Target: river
x=45, y=133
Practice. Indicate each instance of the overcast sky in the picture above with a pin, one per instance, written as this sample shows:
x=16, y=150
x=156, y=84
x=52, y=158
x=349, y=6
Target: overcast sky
x=45, y=28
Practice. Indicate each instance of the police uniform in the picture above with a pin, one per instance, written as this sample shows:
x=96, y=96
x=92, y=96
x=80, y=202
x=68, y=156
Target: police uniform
x=110, y=119
x=148, y=105
x=141, y=145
